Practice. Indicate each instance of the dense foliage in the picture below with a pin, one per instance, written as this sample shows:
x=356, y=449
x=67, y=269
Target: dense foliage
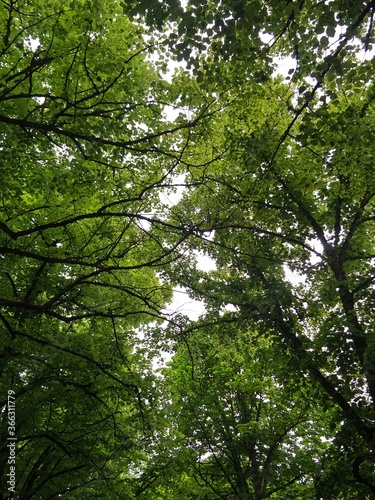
x=271, y=392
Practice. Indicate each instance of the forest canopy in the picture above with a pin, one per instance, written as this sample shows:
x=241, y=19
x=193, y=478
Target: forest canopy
x=138, y=137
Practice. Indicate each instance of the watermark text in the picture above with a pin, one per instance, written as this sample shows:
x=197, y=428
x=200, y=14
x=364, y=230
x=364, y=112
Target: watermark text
x=12, y=440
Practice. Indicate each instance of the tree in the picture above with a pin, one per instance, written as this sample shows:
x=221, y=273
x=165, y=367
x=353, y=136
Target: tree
x=242, y=428
x=292, y=191
x=86, y=149
x=278, y=177
x=269, y=207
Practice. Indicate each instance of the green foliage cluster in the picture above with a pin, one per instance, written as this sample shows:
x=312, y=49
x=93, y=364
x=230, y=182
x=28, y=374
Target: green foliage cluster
x=271, y=392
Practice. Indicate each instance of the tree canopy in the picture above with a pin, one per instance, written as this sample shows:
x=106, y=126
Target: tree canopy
x=271, y=392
